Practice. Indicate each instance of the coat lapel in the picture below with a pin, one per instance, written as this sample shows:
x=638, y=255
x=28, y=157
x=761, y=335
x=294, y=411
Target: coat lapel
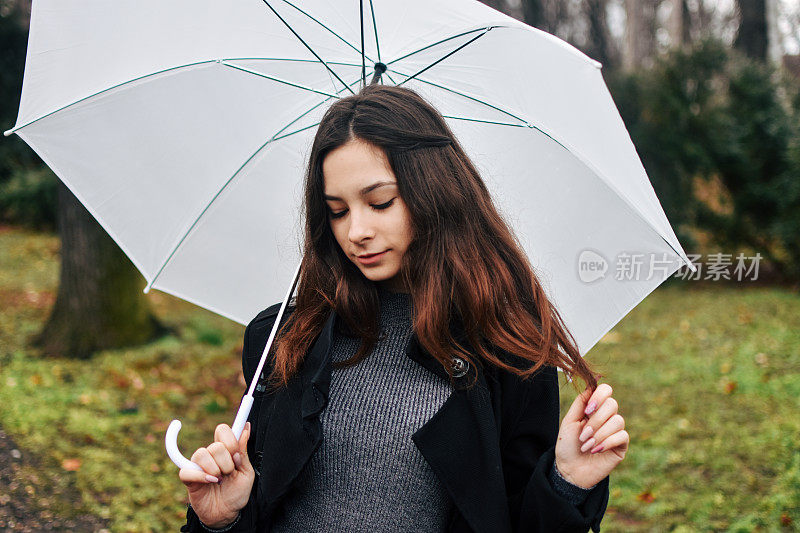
x=293, y=430
x=460, y=442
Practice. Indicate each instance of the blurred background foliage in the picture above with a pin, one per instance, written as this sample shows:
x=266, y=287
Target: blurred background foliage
x=27, y=186
x=719, y=136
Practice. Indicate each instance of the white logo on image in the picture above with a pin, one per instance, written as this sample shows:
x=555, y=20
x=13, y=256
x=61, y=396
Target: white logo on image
x=591, y=266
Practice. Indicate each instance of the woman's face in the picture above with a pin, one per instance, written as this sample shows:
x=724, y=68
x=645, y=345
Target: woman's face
x=365, y=210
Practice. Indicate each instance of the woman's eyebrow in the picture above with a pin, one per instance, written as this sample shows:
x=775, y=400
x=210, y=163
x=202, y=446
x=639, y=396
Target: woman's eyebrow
x=366, y=189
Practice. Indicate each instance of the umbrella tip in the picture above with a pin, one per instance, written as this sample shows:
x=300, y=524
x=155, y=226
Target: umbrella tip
x=8, y=132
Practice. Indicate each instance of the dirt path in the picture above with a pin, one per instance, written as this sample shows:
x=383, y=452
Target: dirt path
x=34, y=499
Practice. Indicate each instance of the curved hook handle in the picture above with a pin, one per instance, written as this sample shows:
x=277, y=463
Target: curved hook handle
x=171, y=439
x=171, y=442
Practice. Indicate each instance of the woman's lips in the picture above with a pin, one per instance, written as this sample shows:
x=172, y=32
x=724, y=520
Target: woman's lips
x=370, y=259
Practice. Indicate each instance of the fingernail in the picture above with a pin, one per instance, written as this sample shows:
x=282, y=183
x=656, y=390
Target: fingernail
x=237, y=459
x=590, y=408
x=586, y=433
x=247, y=426
x=211, y=479
x=597, y=449
x=588, y=444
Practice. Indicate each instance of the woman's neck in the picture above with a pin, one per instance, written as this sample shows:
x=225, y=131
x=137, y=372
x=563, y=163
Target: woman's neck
x=391, y=287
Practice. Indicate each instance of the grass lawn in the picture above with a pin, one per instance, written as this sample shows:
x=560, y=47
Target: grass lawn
x=707, y=378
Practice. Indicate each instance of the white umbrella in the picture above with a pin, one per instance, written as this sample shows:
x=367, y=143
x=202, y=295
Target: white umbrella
x=184, y=127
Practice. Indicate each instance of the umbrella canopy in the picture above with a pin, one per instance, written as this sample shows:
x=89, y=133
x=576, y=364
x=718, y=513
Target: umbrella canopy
x=184, y=128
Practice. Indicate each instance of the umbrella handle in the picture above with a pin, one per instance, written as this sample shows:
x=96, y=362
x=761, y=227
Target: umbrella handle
x=171, y=438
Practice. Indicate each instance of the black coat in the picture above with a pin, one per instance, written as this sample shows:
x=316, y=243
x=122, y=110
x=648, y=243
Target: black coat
x=491, y=446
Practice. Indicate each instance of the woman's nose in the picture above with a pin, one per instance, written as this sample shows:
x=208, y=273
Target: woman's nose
x=360, y=227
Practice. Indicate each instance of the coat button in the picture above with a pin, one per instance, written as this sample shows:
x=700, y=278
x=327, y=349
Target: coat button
x=460, y=367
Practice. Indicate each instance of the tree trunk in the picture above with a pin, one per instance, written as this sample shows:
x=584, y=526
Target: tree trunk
x=640, y=31
x=774, y=40
x=599, y=44
x=679, y=24
x=100, y=304
x=533, y=13
x=752, y=37
x=499, y=5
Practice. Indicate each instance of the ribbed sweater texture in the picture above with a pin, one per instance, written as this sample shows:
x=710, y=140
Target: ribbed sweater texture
x=367, y=474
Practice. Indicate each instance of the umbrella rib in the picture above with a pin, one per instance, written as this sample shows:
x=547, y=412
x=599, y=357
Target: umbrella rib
x=286, y=59
x=390, y=77
x=375, y=27
x=275, y=137
x=16, y=128
x=236, y=67
x=151, y=74
x=484, y=29
x=445, y=116
x=478, y=100
x=485, y=121
x=346, y=86
x=525, y=122
x=327, y=28
x=361, y=26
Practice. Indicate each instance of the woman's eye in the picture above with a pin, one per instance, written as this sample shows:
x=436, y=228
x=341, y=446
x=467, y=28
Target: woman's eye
x=384, y=206
x=340, y=214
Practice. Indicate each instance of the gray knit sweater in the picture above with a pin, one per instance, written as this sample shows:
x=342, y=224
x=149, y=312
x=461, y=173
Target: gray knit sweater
x=367, y=474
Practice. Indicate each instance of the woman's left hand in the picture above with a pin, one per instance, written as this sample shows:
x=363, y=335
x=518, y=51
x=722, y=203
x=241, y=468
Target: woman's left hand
x=592, y=439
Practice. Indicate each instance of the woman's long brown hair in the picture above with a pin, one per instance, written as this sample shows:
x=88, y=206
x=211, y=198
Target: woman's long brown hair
x=464, y=261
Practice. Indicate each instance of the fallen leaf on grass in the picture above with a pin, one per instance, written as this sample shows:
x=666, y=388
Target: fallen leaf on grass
x=646, y=497
x=730, y=387
x=745, y=317
x=120, y=381
x=71, y=465
x=137, y=382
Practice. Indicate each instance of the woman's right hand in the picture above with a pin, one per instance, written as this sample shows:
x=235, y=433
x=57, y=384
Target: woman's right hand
x=218, y=498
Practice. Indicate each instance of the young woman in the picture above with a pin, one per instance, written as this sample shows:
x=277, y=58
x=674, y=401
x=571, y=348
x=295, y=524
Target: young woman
x=412, y=385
